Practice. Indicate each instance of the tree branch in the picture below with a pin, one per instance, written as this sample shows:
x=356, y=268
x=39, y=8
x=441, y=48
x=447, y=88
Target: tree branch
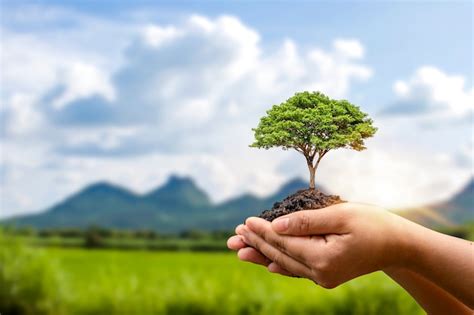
x=321, y=154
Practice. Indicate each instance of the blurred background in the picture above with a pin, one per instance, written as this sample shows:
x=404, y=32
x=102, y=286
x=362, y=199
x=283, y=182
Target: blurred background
x=124, y=133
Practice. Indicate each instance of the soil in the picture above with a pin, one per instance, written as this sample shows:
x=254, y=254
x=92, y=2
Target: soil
x=305, y=199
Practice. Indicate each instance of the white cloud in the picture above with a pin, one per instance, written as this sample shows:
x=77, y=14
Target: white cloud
x=23, y=117
x=351, y=48
x=156, y=36
x=43, y=58
x=212, y=76
x=106, y=138
x=81, y=81
x=432, y=115
x=435, y=94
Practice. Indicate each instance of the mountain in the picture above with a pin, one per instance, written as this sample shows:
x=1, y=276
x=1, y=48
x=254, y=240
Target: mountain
x=455, y=211
x=236, y=210
x=97, y=203
x=178, y=192
x=180, y=204
x=460, y=208
x=177, y=205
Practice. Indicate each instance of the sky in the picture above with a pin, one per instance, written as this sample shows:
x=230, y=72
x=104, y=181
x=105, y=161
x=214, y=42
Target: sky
x=132, y=92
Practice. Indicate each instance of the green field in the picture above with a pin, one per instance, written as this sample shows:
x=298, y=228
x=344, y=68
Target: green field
x=79, y=281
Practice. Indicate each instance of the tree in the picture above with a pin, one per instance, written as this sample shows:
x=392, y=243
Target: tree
x=313, y=124
x=93, y=237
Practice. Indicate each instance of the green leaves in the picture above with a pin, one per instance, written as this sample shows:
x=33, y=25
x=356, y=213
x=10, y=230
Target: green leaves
x=311, y=122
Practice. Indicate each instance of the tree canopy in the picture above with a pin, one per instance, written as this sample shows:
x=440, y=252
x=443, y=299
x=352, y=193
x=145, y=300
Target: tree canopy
x=313, y=124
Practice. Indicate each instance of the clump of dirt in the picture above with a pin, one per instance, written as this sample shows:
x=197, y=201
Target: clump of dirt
x=304, y=199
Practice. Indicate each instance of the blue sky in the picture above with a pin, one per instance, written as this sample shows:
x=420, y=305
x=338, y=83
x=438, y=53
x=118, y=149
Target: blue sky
x=132, y=92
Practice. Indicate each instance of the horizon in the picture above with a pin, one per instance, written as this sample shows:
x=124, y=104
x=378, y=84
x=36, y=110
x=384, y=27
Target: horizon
x=134, y=92
x=213, y=202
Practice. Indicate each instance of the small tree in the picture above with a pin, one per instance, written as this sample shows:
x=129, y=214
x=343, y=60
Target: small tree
x=313, y=124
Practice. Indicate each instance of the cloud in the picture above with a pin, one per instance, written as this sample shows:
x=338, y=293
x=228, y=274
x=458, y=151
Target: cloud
x=82, y=81
x=465, y=156
x=50, y=51
x=350, y=47
x=433, y=115
x=433, y=94
x=182, y=84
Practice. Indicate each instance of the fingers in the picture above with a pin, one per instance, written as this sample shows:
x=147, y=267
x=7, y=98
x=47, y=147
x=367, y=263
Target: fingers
x=274, y=268
x=330, y=220
x=296, y=247
x=250, y=254
x=235, y=242
x=280, y=258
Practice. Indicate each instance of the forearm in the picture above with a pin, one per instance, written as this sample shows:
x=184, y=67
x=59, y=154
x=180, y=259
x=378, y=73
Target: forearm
x=430, y=297
x=446, y=261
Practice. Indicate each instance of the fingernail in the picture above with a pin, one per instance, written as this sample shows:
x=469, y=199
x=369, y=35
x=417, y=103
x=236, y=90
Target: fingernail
x=250, y=221
x=242, y=238
x=240, y=229
x=280, y=225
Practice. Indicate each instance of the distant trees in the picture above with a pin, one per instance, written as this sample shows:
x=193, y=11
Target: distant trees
x=93, y=238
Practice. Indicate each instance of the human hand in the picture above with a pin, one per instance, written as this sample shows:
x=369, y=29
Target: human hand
x=250, y=254
x=329, y=246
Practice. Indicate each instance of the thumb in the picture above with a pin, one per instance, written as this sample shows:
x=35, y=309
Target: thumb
x=330, y=220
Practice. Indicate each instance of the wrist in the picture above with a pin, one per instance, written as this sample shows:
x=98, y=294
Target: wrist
x=406, y=244
x=412, y=244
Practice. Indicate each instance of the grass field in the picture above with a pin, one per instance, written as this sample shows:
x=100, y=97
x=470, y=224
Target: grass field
x=144, y=282
x=170, y=244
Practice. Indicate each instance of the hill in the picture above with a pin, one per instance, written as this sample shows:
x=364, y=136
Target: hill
x=176, y=206
x=460, y=208
x=455, y=211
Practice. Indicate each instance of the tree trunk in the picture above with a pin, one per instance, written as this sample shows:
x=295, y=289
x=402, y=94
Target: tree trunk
x=312, y=172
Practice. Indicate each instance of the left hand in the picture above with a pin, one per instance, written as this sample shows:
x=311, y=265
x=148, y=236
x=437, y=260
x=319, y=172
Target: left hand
x=250, y=254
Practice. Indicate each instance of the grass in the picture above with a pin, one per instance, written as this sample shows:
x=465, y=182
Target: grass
x=79, y=281
x=29, y=282
x=140, y=282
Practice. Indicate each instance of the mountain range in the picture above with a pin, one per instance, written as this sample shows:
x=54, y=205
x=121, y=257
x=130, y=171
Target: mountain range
x=177, y=205
x=180, y=205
